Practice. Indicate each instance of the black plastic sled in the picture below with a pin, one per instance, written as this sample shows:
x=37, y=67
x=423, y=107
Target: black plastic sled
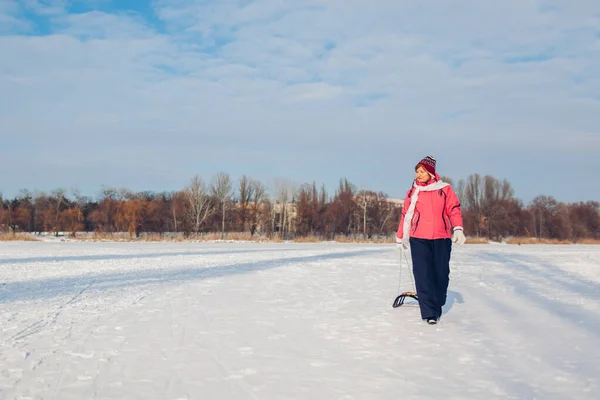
x=400, y=299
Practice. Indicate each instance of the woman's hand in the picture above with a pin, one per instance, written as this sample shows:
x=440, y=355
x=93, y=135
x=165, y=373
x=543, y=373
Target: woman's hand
x=458, y=236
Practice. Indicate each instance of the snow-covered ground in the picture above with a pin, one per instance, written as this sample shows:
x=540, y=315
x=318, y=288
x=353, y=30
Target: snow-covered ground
x=293, y=321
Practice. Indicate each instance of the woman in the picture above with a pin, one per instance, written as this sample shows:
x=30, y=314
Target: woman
x=431, y=221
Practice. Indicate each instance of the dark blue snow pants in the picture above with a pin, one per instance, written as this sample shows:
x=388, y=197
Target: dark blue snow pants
x=431, y=268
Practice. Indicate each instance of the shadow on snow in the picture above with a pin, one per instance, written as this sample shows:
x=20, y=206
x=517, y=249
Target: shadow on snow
x=53, y=287
x=129, y=256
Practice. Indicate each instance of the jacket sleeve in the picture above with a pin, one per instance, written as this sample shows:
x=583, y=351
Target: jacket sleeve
x=405, y=206
x=453, y=210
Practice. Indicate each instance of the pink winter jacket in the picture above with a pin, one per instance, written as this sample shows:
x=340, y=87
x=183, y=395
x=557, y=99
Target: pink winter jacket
x=436, y=213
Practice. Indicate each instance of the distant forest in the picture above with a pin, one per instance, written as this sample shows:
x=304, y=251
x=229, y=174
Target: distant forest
x=490, y=210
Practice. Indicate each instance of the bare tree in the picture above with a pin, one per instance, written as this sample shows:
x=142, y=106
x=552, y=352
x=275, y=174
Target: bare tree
x=258, y=199
x=389, y=211
x=59, y=197
x=544, y=209
x=473, y=199
x=364, y=199
x=109, y=193
x=199, y=201
x=284, y=193
x=460, y=190
x=222, y=190
x=26, y=199
x=81, y=201
x=473, y=191
x=258, y=191
x=506, y=191
x=267, y=216
x=177, y=201
x=246, y=192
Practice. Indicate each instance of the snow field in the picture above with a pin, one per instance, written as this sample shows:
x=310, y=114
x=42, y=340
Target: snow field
x=293, y=321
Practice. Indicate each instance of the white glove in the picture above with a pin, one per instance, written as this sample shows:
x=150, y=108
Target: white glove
x=458, y=236
x=402, y=243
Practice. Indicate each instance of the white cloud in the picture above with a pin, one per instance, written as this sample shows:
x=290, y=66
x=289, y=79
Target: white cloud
x=101, y=25
x=10, y=23
x=46, y=7
x=313, y=91
x=463, y=76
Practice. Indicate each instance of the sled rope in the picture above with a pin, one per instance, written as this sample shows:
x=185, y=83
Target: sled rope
x=403, y=295
x=400, y=274
x=412, y=279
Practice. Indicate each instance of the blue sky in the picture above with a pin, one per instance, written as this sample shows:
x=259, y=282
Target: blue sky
x=145, y=94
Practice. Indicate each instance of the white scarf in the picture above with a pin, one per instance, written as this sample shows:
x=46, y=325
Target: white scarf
x=413, y=202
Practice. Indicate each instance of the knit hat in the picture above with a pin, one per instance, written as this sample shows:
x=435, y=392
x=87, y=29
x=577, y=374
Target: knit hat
x=428, y=163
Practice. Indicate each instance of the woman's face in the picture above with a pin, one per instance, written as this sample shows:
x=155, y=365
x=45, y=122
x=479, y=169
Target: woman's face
x=422, y=175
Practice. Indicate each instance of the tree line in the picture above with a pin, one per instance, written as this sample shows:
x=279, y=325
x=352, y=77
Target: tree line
x=491, y=210
x=223, y=205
